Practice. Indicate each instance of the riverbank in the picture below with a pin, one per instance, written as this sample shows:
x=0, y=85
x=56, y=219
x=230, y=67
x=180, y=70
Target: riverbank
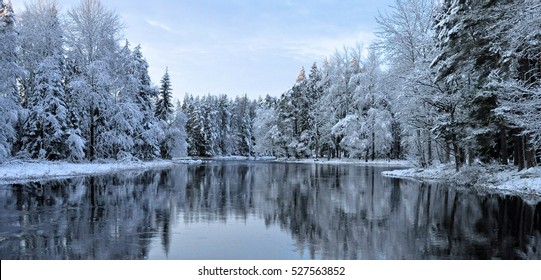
x=18, y=171
x=503, y=180
x=499, y=179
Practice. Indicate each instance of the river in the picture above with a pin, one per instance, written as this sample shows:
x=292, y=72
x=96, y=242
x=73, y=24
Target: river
x=260, y=210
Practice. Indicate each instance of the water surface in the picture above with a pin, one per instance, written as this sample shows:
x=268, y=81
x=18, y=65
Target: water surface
x=254, y=210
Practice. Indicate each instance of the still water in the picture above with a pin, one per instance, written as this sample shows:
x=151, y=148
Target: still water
x=254, y=210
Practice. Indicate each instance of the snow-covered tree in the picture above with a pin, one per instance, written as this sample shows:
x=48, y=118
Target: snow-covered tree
x=9, y=68
x=470, y=43
x=225, y=144
x=92, y=34
x=314, y=93
x=10, y=71
x=46, y=128
x=146, y=141
x=324, y=115
x=243, y=115
x=266, y=130
x=517, y=82
x=174, y=143
x=405, y=38
x=164, y=104
x=194, y=125
x=41, y=36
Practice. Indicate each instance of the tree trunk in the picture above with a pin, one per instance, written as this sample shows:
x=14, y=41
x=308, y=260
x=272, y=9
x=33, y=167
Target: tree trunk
x=429, y=141
x=456, y=151
x=518, y=155
x=529, y=156
x=91, y=146
x=366, y=155
x=420, y=149
x=373, y=145
x=317, y=143
x=503, y=147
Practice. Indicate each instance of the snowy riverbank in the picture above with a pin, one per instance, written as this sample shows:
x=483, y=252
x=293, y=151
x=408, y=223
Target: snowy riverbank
x=505, y=180
x=17, y=171
x=20, y=171
x=487, y=178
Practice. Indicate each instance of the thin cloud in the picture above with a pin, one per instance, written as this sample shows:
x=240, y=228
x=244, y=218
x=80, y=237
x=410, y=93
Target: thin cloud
x=159, y=25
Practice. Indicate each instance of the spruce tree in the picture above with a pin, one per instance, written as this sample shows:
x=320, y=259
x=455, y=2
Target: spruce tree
x=9, y=72
x=468, y=49
x=164, y=105
x=46, y=128
x=146, y=141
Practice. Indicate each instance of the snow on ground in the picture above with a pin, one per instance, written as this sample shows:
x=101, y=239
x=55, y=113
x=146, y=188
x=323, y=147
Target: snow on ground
x=20, y=171
x=17, y=171
x=505, y=180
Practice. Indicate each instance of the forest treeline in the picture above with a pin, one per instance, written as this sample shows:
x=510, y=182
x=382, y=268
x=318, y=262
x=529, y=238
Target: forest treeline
x=456, y=81
x=445, y=81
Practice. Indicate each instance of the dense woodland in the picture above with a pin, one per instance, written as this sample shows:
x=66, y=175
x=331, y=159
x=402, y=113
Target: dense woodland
x=445, y=81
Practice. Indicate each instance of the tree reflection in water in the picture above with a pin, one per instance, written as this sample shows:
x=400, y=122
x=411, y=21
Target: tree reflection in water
x=330, y=212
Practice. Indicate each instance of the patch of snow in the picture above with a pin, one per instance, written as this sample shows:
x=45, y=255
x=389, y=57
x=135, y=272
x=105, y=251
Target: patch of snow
x=498, y=179
x=17, y=171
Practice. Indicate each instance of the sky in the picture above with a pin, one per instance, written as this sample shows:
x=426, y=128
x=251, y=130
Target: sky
x=237, y=47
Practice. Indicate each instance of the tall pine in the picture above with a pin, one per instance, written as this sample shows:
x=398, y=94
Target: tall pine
x=164, y=105
x=9, y=72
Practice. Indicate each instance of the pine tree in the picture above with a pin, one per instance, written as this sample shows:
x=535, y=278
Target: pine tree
x=194, y=126
x=517, y=82
x=225, y=146
x=164, y=105
x=9, y=68
x=146, y=141
x=286, y=125
x=468, y=34
x=46, y=128
x=177, y=145
x=315, y=91
x=266, y=130
x=10, y=109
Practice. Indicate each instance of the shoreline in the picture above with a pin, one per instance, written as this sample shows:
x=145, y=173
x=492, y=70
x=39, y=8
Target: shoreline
x=20, y=171
x=489, y=179
x=25, y=171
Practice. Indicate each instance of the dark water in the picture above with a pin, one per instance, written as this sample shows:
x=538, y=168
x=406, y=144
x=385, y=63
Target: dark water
x=238, y=210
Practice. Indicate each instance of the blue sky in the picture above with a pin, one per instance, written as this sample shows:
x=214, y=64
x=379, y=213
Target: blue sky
x=235, y=47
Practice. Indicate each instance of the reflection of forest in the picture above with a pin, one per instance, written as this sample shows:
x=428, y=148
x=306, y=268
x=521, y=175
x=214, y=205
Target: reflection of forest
x=331, y=212
x=106, y=217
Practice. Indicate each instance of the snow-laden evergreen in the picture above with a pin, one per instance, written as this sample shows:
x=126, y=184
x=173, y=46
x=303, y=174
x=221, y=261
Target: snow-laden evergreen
x=46, y=129
x=10, y=71
x=164, y=105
